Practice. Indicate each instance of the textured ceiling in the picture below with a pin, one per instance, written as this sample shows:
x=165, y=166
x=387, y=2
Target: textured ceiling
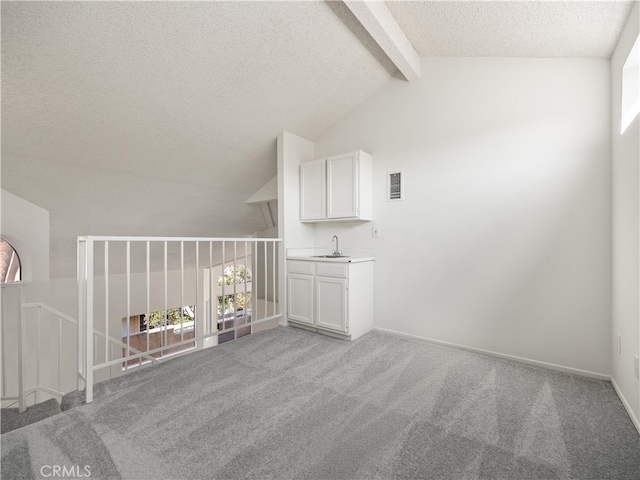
x=160, y=118
x=512, y=28
x=144, y=118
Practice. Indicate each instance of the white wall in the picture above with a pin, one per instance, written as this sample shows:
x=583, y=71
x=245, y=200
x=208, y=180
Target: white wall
x=626, y=232
x=26, y=227
x=292, y=151
x=504, y=241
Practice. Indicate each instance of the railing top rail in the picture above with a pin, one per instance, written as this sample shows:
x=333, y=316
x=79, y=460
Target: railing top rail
x=175, y=239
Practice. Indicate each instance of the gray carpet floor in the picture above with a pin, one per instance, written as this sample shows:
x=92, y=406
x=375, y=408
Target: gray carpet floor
x=290, y=404
x=12, y=418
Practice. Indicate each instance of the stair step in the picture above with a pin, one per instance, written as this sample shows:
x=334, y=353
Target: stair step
x=75, y=398
x=12, y=419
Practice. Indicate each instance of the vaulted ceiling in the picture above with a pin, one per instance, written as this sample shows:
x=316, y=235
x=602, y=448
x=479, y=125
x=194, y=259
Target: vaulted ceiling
x=160, y=118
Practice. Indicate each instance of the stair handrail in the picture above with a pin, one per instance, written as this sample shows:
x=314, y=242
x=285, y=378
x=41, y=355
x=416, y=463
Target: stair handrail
x=23, y=392
x=22, y=306
x=51, y=310
x=22, y=321
x=98, y=333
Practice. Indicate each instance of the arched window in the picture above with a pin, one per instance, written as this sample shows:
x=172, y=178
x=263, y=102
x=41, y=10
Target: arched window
x=10, y=268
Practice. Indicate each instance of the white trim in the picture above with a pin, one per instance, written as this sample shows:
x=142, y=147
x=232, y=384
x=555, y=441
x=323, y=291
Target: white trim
x=627, y=406
x=537, y=363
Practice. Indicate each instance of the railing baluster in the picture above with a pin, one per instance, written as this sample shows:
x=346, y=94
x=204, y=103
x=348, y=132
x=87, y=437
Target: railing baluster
x=224, y=300
x=128, y=304
x=254, y=279
x=59, y=353
x=148, y=318
x=197, y=314
x=89, y=323
x=247, y=304
x=273, y=270
x=165, y=320
x=182, y=291
x=209, y=326
x=106, y=301
x=82, y=298
x=235, y=294
x=38, y=335
x=266, y=281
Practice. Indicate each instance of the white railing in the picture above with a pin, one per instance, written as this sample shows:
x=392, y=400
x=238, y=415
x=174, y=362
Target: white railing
x=120, y=278
x=35, y=357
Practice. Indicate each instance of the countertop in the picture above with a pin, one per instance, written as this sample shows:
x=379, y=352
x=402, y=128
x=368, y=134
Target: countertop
x=311, y=255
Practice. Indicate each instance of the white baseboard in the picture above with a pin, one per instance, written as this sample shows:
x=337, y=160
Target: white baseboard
x=537, y=363
x=626, y=404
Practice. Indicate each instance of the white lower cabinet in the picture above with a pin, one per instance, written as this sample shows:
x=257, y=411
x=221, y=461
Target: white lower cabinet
x=331, y=303
x=332, y=298
x=300, y=295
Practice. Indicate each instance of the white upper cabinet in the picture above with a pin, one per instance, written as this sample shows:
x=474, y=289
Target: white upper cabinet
x=337, y=188
x=313, y=190
x=342, y=186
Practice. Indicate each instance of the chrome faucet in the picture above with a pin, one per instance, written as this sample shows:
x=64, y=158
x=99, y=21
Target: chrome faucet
x=336, y=251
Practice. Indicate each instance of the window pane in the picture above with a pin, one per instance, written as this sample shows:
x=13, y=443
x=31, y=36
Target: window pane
x=631, y=86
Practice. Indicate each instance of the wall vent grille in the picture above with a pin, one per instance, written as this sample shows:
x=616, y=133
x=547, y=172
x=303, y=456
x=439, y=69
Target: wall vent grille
x=395, y=187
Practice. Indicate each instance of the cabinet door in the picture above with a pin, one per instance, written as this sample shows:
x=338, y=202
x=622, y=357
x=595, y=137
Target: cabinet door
x=342, y=186
x=331, y=303
x=313, y=190
x=300, y=297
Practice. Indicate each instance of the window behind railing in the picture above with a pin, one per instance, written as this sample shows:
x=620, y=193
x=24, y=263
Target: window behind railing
x=234, y=308
x=159, y=332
